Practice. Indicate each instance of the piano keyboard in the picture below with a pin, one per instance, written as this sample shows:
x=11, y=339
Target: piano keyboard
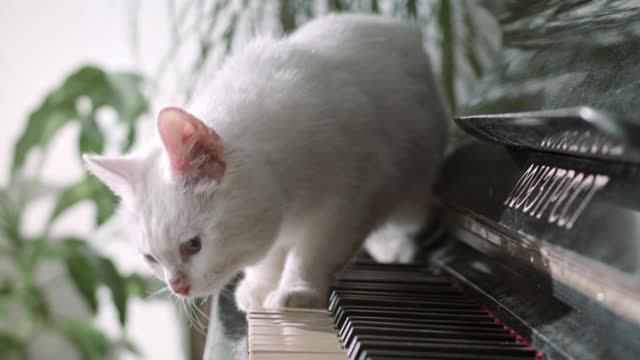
x=381, y=312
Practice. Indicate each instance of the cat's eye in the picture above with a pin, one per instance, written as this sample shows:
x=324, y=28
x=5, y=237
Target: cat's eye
x=191, y=247
x=150, y=259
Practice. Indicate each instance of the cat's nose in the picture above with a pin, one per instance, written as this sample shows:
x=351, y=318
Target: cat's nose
x=180, y=285
x=184, y=291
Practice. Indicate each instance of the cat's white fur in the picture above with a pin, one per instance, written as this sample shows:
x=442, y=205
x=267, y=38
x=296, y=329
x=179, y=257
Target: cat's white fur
x=328, y=134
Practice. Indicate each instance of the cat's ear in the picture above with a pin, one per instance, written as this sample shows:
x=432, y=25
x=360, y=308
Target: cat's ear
x=121, y=174
x=194, y=150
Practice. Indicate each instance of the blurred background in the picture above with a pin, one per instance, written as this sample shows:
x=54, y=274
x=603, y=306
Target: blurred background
x=89, y=76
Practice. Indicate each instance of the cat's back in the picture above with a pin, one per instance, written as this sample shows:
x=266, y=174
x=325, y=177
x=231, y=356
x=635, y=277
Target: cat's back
x=345, y=34
x=385, y=59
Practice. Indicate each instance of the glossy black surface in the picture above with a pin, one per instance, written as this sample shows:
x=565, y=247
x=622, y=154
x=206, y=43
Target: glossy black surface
x=530, y=302
x=564, y=53
x=582, y=132
x=484, y=179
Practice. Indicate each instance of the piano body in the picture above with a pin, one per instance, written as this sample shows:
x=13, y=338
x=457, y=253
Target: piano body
x=538, y=250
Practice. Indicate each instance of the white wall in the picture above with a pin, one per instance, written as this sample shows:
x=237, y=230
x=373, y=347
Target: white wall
x=41, y=41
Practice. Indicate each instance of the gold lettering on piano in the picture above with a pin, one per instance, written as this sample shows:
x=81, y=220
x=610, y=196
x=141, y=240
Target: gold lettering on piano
x=557, y=194
x=583, y=142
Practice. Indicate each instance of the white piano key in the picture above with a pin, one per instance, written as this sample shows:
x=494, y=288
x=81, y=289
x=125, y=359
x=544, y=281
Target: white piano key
x=297, y=356
x=290, y=330
x=293, y=334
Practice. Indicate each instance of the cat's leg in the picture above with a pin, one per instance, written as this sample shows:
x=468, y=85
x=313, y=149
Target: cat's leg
x=310, y=266
x=395, y=241
x=260, y=279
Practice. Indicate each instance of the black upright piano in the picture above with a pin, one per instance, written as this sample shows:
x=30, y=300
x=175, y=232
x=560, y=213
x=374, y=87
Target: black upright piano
x=537, y=249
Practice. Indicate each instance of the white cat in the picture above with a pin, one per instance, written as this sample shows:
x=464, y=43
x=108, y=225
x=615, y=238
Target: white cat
x=298, y=150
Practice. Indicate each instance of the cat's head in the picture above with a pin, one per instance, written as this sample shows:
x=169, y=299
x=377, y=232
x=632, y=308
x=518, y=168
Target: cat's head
x=202, y=211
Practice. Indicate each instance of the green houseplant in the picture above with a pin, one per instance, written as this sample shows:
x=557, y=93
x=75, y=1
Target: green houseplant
x=24, y=309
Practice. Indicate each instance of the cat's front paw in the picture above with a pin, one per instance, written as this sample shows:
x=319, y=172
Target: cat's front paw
x=299, y=297
x=250, y=295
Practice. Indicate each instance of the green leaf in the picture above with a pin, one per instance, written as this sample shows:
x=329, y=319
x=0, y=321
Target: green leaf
x=129, y=102
x=336, y=5
x=412, y=9
x=117, y=285
x=71, y=196
x=91, y=342
x=11, y=347
x=136, y=285
x=41, y=126
x=470, y=41
x=36, y=302
x=83, y=273
x=120, y=91
x=7, y=297
x=287, y=16
x=128, y=99
x=10, y=217
x=91, y=137
x=88, y=188
x=447, y=44
x=105, y=202
x=64, y=248
x=131, y=137
x=375, y=8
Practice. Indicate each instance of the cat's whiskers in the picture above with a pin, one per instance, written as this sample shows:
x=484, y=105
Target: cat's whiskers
x=192, y=318
x=179, y=301
x=185, y=311
x=157, y=292
x=196, y=306
x=199, y=315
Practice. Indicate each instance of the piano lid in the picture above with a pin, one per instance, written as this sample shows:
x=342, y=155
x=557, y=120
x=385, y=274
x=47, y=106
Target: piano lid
x=567, y=79
x=580, y=131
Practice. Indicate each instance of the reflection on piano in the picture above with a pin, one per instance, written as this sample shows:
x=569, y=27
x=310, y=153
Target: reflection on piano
x=538, y=250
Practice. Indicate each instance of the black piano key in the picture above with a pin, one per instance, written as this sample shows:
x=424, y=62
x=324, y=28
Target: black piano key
x=419, y=346
x=455, y=301
x=417, y=288
x=353, y=348
x=403, y=312
x=487, y=328
x=393, y=277
x=436, y=304
x=413, y=313
x=390, y=267
x=404, y=295
x=413, y=355
x=345, y=311
x=402, y=303
x=430, y=334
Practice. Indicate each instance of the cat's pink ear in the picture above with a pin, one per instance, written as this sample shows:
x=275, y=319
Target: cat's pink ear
x=121, y=174
x=194, y=150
